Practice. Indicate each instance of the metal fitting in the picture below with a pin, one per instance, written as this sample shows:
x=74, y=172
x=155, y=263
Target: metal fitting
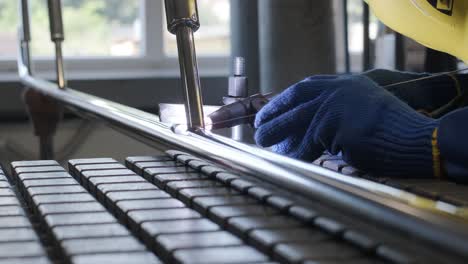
x=24, y=34
x=238, y=83
x=55, y=20
x=182, y=13
x=57, y=36
x=239, y=66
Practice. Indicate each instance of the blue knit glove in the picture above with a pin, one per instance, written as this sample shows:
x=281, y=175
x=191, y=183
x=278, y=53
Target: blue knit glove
x=374, y=130
x=424, y=94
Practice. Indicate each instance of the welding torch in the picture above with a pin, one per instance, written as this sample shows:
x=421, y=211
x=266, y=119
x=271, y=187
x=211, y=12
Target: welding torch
x=240, y=112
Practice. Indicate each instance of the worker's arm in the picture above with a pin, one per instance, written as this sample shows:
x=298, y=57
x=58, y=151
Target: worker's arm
x=373, y=129
x=426, y=94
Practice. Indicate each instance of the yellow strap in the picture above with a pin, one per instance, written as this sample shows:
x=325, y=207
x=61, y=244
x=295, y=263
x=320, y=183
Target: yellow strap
x=436, y=161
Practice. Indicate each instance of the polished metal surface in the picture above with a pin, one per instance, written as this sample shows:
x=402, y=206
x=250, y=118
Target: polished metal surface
x=24, y=33
x=182, y=20
x=239, y=66
x=55, y=20
x=190, y=78
x=238, y=83
x=182, y=13
x=61, y=82
x=26, y=54
x=57, y=36
x=439, y=225
x=175, y=113
x=238, y=89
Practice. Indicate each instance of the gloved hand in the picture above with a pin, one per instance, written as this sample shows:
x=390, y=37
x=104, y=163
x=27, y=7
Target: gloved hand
x=373, y=129
x=424, y=95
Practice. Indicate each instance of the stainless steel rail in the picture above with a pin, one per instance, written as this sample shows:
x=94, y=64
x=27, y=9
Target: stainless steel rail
x=433, y=224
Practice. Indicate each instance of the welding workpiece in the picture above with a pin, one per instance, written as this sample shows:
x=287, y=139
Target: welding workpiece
x=183, y=21
x=240, y=112
x=57, y=36
x=239, y=109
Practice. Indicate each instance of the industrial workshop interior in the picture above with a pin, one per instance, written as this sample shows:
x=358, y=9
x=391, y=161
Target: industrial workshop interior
x=233, y=131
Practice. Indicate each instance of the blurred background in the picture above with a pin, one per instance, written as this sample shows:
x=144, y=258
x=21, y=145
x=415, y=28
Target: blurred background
x=109, y=28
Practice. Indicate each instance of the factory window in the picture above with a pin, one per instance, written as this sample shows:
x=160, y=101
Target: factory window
x=213, y=37
x=8, y=16
x=93, y=28
x=123, y=36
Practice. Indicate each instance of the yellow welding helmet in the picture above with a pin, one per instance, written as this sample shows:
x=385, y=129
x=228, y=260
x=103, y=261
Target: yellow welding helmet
x=437, y=24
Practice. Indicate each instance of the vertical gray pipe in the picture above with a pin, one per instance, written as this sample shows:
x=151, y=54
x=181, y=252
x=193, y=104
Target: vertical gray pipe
x=57, y=36
x=55, y=20
x=24, y=33
x=244, y=39
x=296, y=41
x=366, y=53
x=346, y=36
x=400, y=52
x=190, y=78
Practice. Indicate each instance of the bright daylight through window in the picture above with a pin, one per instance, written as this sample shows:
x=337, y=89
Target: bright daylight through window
x=93, y=28
x=110, y=28
x=213, y=36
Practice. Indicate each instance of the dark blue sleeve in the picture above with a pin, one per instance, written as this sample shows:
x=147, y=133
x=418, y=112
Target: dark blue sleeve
x=453, y=144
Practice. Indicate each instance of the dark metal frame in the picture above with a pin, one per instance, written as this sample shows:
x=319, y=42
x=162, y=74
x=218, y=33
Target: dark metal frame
x=366, y=53
x=346, y=37
x=400, y=52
